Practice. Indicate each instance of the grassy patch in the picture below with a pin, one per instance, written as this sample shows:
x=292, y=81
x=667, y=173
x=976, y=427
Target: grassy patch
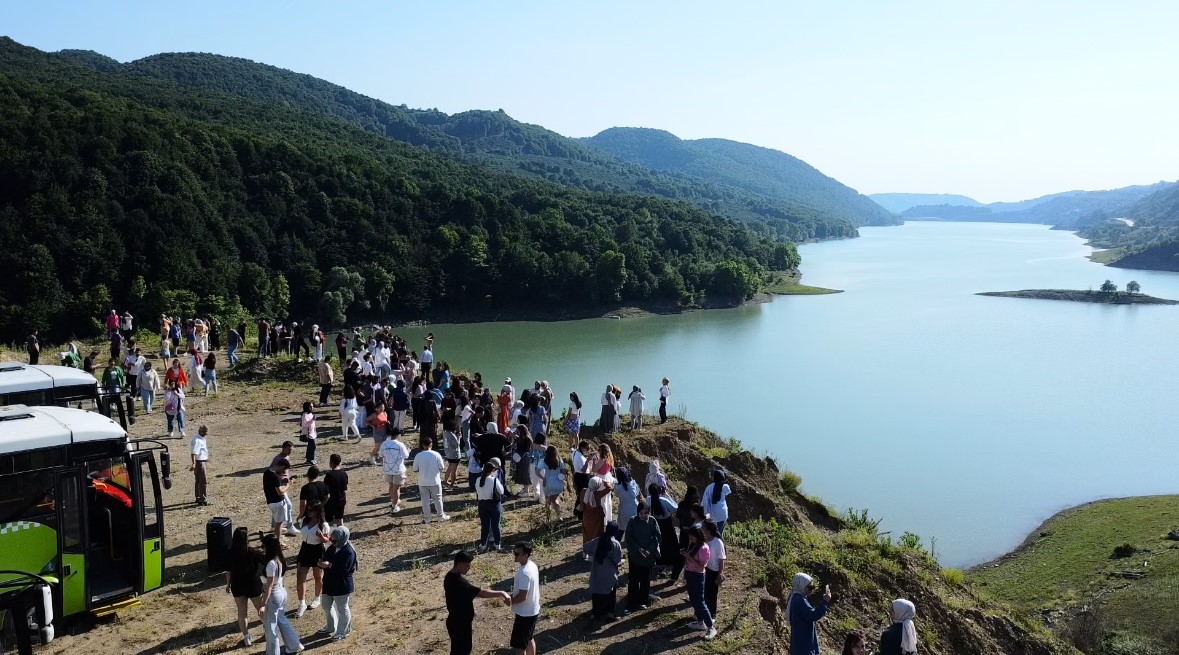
x=1106, y=256
x=1070, y=563
x=784, y=284
x=790, y=480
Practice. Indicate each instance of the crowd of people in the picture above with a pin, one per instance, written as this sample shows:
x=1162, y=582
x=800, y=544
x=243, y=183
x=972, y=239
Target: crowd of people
x=396, y=397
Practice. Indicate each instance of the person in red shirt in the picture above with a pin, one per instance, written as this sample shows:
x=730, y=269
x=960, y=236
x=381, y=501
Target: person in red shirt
x=176, y=374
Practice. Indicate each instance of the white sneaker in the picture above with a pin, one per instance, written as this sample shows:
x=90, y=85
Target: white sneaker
x=696, y=625
x=315, y=603
x=247, y=639
x=291, y=532
x=182, y=435
x=302, y=609
x=444, y=517
x=397, y=508
x=169, y=434
x=710, y=634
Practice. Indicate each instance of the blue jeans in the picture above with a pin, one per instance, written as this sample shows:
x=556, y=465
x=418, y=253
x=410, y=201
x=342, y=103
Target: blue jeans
x=210, y=380
x=233, y=358
x=179, y=418
x=490, y=513
x=720, y=528
x=695, y=582
x=148, y=397
x=263, y=346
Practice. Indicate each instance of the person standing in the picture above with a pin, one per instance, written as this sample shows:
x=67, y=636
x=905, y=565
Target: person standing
x=664, y=394
x=349, y=412
x=242, y=581
x=274, y=597
x=336, y=480
x=149, y=386
x=642, y=539
x=715, y=501
x=573, y=421
x=126, y=324
x=210, y=373
x=628, y=494
x=327, y=377
x=607, y=420
x=400, y=401
x=338, y=564
x=342, y=346
x=695, y=559
x=489, y=491
x=394, y=453
x=135, y=362
x=264, y=338
x=901, y=637
x=605, y=555
x=200, y=460
x=525, y=600
x=314, y=532
x=274, y=485
x=636, y=407
x=316, y=343
x=33, y=347
x=307, y=431
x=429, y=465
x=714, y=572
x=802, y=616
x=112, y=324
x=460, y=603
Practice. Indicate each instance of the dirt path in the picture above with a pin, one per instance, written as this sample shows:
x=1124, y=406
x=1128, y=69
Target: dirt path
x=398, y=605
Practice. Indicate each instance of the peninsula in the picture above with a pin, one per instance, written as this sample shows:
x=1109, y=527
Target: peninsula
x=1104, y=297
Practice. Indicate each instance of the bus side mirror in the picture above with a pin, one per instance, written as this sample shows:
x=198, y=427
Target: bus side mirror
x=166, y=468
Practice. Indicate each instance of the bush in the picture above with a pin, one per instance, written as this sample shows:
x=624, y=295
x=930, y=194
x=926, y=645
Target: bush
x=861, y=521
x=911, y=540
x=1087, y=630
x=790, y=480
x=953, y=577
x=1125, y=550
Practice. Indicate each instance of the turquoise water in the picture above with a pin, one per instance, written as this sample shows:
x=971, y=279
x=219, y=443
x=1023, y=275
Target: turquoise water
x=965, y=418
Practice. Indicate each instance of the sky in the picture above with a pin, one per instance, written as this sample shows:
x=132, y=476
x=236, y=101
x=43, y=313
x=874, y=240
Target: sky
x=995, y=100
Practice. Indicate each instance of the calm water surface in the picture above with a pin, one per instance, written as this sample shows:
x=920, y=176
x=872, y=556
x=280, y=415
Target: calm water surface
x=965, y=418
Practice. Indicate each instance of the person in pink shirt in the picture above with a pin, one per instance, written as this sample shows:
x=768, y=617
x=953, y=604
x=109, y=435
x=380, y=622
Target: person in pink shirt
x=696, y=557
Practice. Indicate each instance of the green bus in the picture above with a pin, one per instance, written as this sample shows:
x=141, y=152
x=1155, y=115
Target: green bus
x=81, y=511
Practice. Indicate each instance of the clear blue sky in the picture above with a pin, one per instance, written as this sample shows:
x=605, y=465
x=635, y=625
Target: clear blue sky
x=997, y=100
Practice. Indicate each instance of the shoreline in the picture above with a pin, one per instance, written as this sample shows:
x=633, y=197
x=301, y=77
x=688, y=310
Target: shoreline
x=1035, y=534
x=1078, y=295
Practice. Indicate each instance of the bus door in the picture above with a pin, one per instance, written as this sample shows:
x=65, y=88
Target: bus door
x=150, y=515
x=114, y=553
x=72, y=542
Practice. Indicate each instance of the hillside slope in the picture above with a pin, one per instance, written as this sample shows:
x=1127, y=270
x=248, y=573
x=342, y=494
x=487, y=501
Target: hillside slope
x=492, y=138
x=768, y=173
x=1144, y=234
x=161, y=197
x=1067, y=210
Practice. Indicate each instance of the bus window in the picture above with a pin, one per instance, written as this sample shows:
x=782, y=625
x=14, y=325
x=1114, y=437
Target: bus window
x=77, y=395
x=70, y=499
x=30, y=398
x=28, y=497
x=149, y=487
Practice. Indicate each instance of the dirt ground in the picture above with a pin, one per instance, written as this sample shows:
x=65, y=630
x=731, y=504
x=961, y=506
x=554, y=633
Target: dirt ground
x=398, y=604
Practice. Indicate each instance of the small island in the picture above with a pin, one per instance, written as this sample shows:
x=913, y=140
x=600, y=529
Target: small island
x=1108, y=298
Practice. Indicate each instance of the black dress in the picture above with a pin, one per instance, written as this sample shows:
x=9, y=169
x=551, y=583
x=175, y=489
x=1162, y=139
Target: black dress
x=244, y=581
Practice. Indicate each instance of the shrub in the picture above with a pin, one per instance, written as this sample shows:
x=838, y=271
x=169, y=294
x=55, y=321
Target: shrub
x=1087, y=630
x=715, y=453
x=911, y=540
x=953, y=577
x=790, y=480
x=1124, y=550
x=861, y=521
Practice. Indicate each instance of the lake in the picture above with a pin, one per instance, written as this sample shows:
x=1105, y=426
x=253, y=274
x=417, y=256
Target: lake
x=963, y=418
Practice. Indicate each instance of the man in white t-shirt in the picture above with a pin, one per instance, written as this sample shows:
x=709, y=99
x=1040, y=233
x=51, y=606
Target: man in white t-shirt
x=200, y=459
x=525, y=600
x=427, y=359
x=429, y=464
x=664, y=394
x=393, y=456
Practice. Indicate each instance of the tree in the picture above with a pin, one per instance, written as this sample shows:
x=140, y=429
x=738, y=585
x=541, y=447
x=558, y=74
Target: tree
x=1108, y=287
x=1133, y=287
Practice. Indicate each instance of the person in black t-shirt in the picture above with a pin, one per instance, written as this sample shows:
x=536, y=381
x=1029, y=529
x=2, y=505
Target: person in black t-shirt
x=274, y=484
x=460, y=603
x=337, y=483
x=315, y=491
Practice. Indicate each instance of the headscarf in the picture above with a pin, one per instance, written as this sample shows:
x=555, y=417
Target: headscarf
x=588, y=498
x=623, y=476
x=718, y=482
x=801, y=582
x=606, y=542
x=655, y=476
x=904, y=612
x=340, y=535
x=655, y=491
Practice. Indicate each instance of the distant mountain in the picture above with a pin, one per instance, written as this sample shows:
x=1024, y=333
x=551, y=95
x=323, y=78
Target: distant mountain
x=771, y=174
x=492, y=138
x=1067, y=210
x=899, y=202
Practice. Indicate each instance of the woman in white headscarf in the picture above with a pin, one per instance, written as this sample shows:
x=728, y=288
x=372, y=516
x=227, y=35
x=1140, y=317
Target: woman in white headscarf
x=655, y=476
x=901, y=637
x=802, y=616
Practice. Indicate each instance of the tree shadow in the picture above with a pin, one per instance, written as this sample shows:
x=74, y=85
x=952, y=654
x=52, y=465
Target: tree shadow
x=200, y=636
x=245, y=473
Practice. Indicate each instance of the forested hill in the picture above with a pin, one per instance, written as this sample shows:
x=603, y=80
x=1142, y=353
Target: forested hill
x=770, y=174
x=136, y=193
x=899, y=202
x=1067, y=210
x=493, y=138
x=1145, y=233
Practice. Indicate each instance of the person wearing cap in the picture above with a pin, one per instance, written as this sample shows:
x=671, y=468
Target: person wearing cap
x=489, y=489
x=460, y=606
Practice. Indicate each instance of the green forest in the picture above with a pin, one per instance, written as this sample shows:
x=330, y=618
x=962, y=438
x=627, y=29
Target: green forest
x=118, y=191
x=1148, y=237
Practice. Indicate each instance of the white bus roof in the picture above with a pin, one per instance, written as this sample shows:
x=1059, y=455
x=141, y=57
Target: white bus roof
x=16, y=377
x=29, y=428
